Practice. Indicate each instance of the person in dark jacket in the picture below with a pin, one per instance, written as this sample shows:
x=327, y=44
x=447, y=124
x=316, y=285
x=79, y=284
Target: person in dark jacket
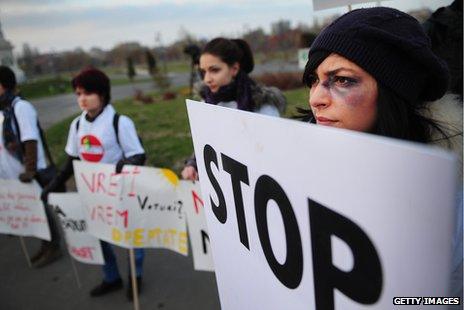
x=444, y=28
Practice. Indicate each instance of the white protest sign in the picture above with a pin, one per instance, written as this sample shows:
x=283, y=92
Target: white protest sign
x=307, y=217
x=159, y=221
x=190, y=194
x=100, y=190
x=21, y=210
x=327, y=4
x=82, y=246
x=10, y=167
x=137, y=208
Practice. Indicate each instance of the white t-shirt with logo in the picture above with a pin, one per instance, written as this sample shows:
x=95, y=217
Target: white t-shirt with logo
x=26, y=116
x=96, y=141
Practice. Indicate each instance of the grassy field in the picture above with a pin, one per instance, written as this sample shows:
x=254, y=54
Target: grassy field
x=50, y=85
x=163, y=127
x=46, y=87
x=283, y=56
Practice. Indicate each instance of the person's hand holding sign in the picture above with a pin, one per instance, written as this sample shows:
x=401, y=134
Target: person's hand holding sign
x=190, y=173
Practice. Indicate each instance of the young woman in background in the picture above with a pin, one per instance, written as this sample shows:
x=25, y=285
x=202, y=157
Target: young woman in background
x=224, y=68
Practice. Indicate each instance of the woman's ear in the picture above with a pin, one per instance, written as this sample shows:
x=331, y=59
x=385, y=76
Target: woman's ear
x=235, y=68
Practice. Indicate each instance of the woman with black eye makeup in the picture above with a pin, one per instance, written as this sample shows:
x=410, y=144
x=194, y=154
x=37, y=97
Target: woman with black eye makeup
x=373, y=70
x=224, y=68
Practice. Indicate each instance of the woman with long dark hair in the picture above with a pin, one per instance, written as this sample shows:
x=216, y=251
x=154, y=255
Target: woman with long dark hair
x=373, y=70
x=224, y=68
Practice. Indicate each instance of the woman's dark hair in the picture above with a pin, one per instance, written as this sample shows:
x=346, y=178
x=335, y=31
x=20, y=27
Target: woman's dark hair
x=7, y=78
x=231, y=51
x=396, y=118
x=240, y=89
x=93, y=81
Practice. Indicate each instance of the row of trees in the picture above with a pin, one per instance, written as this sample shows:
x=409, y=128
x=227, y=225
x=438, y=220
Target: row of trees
x=282, y=37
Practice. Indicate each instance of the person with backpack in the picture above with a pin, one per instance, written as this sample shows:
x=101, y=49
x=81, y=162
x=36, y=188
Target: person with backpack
x=100, y=135
x=23, y=152
x=225, y=65
x=444, y=27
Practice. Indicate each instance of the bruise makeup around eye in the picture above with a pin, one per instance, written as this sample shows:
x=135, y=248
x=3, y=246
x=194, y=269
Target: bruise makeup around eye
x=351, y=92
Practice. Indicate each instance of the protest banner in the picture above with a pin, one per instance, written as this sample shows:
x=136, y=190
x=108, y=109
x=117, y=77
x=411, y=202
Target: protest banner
x=82, y=246
x=21, y=210
x=328, y=4
x=137, y=208
x=303, y=216
x=190, y=194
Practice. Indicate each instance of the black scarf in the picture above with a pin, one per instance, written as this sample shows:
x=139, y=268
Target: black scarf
x=90, y=119
x=238, y=90
x=11, y=139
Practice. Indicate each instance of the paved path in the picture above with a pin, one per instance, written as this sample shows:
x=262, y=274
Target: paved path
x=170, y=283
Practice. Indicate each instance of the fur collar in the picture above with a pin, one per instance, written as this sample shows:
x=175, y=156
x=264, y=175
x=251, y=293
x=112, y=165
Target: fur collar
x=447, y=111
x=262, y=95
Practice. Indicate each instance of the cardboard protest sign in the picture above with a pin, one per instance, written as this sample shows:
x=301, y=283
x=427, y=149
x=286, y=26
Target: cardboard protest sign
x=21, y=210
x=328, y=4
x=189, y=193
x=82, y=246
x=308, y=217
x=137, y=208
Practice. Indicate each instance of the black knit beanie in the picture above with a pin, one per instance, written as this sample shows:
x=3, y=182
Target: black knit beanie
x=391, y=46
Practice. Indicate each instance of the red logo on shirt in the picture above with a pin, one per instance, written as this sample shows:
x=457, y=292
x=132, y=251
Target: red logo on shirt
x=91, y=148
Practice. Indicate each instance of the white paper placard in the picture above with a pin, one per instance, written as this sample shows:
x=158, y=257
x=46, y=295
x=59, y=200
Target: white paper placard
x=135, y=209
x=190, y=194
x=331, y=219
x=21, y=210
x=82, y=246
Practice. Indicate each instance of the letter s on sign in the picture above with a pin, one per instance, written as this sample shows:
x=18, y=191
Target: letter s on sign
x=209, y=155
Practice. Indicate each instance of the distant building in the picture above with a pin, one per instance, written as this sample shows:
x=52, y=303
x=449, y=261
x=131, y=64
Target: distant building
x=7, y=58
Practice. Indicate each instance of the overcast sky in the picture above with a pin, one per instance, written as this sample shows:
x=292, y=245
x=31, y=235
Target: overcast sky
x=67, y=24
